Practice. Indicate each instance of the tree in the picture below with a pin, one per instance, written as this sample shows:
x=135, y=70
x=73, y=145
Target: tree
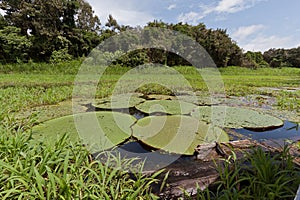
x=254, y=60
x=13, y=46
x=282, y=57
x=112, y=23
x=86, y=19
x=293, y=57
x=3, y=22
x=54, y=25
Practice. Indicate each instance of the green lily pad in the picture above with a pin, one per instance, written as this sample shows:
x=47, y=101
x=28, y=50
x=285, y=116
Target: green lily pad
x=233, y=117
x=119, y=101
x=200, y=100
x=98, y=130
x=176, y=134
x=166, y=106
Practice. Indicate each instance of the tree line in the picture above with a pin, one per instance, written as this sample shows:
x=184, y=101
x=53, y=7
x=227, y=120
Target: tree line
x=59, y=30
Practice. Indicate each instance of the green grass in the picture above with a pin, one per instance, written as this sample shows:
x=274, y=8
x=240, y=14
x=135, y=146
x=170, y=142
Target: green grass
x=31, y=170
x=70, y=67
x=24, y=87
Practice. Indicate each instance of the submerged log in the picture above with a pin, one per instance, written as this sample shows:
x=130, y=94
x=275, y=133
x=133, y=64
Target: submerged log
x=196, y=174
x=204, y=151
x=189, y=176
x=208, y=152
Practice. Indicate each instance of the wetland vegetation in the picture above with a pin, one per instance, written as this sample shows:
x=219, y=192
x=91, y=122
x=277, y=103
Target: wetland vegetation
x=31, y=96
x=44, y=44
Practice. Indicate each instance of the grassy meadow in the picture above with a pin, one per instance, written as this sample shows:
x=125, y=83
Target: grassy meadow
x=31, y=93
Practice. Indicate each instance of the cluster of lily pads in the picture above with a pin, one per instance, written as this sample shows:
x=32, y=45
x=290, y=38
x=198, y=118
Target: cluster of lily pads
x=175, y=124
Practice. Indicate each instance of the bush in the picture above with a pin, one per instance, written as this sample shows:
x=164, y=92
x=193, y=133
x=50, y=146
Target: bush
x=61, y=55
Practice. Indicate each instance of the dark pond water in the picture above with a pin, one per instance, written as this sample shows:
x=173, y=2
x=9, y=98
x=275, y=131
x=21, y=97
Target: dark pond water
x=290, y=131
x=153, y=159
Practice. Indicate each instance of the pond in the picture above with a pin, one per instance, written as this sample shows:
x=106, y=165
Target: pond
x=154, y=158
x=184, y=168
x=137, y=139
x=290, y=131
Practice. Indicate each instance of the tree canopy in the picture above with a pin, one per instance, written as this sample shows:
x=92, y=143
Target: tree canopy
x=54, y=25
x=57, y=30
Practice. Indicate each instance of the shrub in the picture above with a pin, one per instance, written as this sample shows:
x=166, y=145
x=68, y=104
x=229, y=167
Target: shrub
x=61, y=55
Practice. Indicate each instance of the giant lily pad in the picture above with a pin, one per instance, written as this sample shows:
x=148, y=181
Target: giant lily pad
x=166, y=106
x=233, y=117
x=98, y=130
x=119, y=101
x=200, y=100
x=176, y=134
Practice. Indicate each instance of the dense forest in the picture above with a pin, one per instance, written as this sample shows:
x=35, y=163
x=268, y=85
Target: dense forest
x=60, y=30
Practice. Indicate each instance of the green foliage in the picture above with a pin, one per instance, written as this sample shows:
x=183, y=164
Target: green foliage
x=42, y=25
x=61, y=169
x=254, y=60
x=2, y=22
x=66, y=68
x=134, y=59
x=217, y=43
x=14, y=46
x=261, y=176
x=97, y=57
x=244, y=81
x=45, y=23
x=59, y=56
x=283, y=57
x=65, y=170
x=112, y=23
x=289, y=101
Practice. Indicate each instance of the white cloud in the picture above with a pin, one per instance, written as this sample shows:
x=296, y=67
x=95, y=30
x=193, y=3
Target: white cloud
x=220, y=7
x=172, y=6
x=245, y=31
x=263, y=43
x=125, y=12
x=252, y=38
x=233, y=6
x=191, y=17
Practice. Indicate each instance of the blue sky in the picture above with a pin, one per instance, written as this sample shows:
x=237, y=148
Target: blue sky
x=256, y=25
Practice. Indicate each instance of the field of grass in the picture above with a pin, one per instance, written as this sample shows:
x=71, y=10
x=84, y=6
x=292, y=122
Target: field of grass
x=30, y=93
x=24, y=87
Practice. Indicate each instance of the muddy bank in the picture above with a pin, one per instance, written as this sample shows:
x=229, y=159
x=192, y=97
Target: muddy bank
x=200, y=174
